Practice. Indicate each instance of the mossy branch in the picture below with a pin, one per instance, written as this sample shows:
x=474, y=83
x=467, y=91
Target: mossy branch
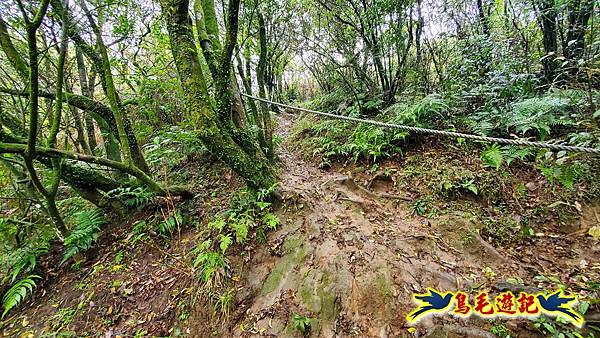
x=16, y=148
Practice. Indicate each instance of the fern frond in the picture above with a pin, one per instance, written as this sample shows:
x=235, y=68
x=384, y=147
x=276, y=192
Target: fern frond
x=84, y=234
x=539, y=114
x=28, y=261
x=271, y=220
x=492, y=156
x=132, y=197
x=167, y=226
x=416, y=113
x=18, y=292
x=225, y=242
x=241, y=226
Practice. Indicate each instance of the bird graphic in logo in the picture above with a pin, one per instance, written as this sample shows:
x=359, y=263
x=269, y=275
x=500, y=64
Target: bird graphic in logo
x=430, y=302
x=557, y=304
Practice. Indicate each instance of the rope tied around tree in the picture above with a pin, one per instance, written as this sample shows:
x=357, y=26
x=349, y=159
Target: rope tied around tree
x=517, y=142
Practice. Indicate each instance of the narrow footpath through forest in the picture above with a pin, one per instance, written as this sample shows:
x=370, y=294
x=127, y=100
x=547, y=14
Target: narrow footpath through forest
x=351, y=254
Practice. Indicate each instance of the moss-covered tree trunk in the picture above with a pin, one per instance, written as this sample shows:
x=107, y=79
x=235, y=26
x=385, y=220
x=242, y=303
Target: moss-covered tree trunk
x=212, y=50
x=87, y=182
x=11, y=53
x=260, y=79
x=244, y=159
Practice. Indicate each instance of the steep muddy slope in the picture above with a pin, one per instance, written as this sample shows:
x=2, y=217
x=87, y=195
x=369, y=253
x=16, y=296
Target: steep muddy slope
x=350, y=259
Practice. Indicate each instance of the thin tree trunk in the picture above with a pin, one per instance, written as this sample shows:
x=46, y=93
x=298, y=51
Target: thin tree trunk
x=101, y=62
x=248, y=89
x=547, y=18
x=482, y=18
x=85, y=91
x=579, y=12
x=81, y=139
x=260, y=79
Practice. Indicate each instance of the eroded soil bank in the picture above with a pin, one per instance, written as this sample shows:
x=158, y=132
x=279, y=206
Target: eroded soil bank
x=352, y=252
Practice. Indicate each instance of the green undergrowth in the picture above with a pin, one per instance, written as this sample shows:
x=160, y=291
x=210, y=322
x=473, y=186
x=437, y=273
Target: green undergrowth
x=30, y=248
x=248, y=219
x=333, y=140
x=170, y=146
x=100, y=248
x=21, y=265
x=566, y=116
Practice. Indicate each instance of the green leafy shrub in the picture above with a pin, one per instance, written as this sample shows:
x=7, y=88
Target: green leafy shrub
x=63, y=317
x=249, y=210
x=372, y=105
x=562, y=167
x=565, y=174
x=419, y=207
x=72, y=205
x=325, y=137
x=169, y=224
x=330, y=101
x=270, y=220
x=171, y=146
x=249, y=214
x=454, y=181
x=511, y=153
x=469, y=185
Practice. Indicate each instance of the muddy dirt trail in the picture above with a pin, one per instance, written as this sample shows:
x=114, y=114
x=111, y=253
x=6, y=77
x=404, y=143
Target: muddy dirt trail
x=350, y=254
